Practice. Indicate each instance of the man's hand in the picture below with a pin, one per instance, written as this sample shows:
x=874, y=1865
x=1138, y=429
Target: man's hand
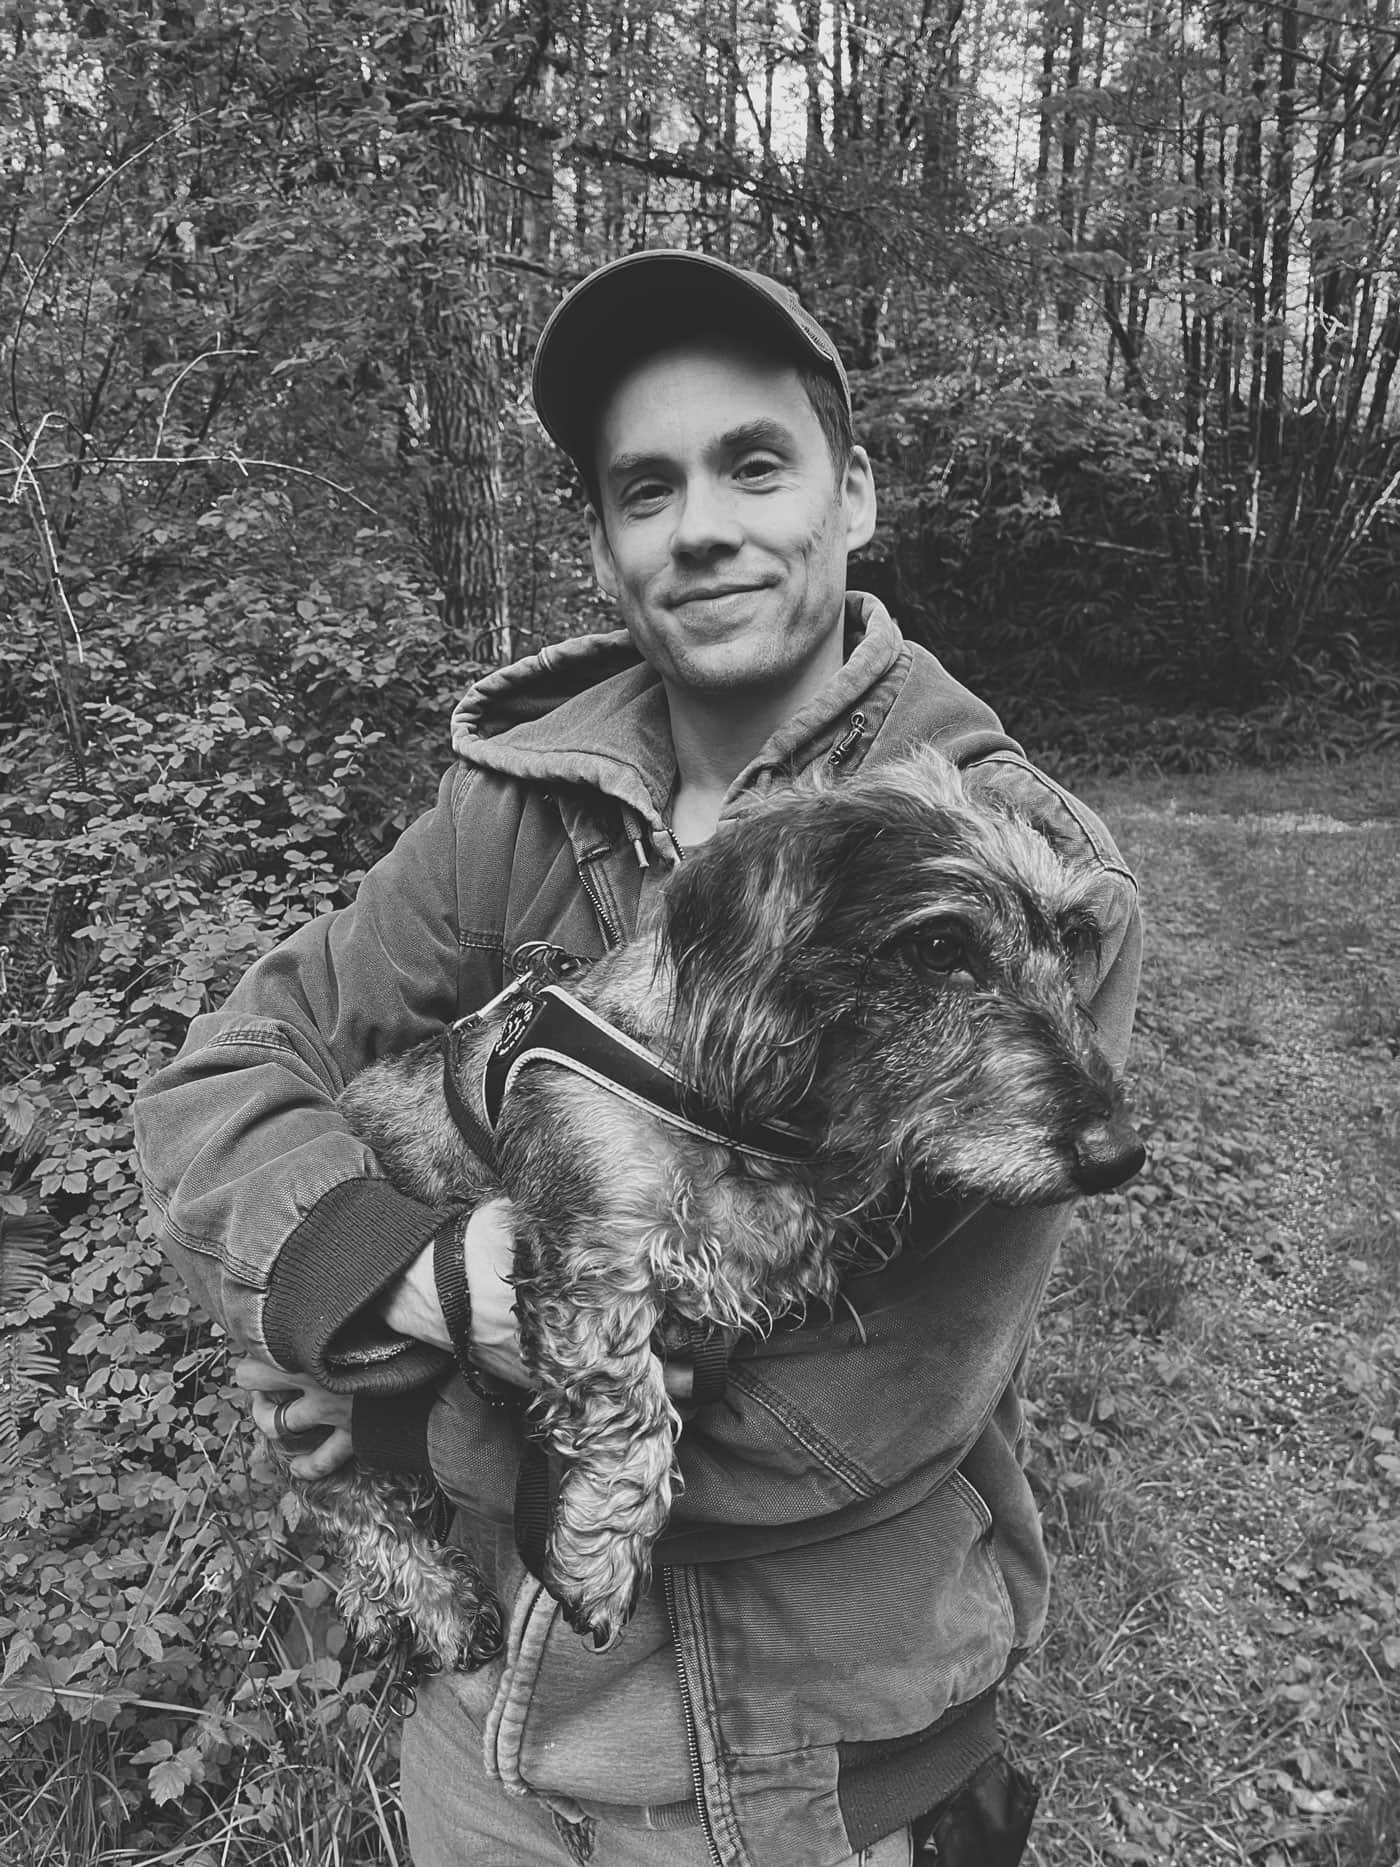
x=305, y=1408
x=411, y=1305
x=490, y=1253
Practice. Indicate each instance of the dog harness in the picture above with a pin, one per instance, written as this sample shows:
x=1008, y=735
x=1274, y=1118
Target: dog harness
x=556, y=1027
x=546, y=1024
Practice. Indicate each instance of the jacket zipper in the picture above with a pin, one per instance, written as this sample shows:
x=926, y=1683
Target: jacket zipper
x=612, y=933
x=692, y=1740
x=849, y=740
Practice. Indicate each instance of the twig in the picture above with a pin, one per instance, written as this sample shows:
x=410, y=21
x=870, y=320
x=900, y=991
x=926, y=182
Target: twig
x=232, y=458
x=54, y=244
x=25, y=469
x=217, y=351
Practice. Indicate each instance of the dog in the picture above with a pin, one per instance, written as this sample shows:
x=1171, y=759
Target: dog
x=860, y=988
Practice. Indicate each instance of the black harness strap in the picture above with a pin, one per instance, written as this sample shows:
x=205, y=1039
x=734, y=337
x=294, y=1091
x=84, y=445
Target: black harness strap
x=555, y=1027
x=710, y=1358
x=478, y=1137
x=534, y=1507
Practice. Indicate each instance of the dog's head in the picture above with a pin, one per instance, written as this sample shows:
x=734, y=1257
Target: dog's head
x=900, y=967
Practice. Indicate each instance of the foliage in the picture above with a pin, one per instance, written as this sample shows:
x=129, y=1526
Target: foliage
x=214, y=785
x=269, y=282
x=1021, y=521
x=1029, y=535
x=307, y=256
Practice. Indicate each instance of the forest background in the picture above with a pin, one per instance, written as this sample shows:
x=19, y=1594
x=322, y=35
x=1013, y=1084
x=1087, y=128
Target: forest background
x=1119, y=284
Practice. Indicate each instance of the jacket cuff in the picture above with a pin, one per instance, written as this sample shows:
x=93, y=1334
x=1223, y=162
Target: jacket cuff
x=390, y=1431
x=356, y=1239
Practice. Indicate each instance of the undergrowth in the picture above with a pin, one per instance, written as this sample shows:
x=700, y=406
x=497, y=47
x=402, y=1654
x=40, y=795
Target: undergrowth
x=174, y=1687
x=1217, y=1395
x=161, y=1697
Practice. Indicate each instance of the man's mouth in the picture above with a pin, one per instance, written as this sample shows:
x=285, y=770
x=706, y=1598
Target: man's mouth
x=715, y=593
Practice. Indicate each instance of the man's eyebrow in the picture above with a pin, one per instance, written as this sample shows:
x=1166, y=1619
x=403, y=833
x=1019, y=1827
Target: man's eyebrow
x=623, y=466
x=762, y=431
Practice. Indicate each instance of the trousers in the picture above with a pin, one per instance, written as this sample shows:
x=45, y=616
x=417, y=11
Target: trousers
x=458, y=1816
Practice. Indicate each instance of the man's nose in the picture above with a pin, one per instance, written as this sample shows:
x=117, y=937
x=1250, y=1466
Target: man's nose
x=706, y=521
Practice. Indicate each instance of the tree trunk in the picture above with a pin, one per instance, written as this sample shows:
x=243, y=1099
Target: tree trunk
x=1069, y=157
x=465, y=402
x=1281, y=210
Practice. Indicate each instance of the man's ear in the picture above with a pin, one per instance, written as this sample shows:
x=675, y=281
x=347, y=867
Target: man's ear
x=858, y=492
x=603, y=567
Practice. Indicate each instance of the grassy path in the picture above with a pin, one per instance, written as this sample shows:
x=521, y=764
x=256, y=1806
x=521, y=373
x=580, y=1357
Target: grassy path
x=1217, y=1377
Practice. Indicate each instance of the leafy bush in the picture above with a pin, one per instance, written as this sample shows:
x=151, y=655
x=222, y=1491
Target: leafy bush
x=1337, y=706
x=1045, y=537
x=213, y=784
x=1021, y=521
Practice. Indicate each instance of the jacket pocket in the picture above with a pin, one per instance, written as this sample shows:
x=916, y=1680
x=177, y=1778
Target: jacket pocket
x=872, y=1634
x=986, y=1542
x=605, y=1727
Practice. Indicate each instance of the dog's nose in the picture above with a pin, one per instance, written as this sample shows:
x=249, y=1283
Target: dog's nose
x=1106, y=1155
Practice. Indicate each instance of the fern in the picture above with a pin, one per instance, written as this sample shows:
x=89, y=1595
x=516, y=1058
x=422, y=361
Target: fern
x=28, y=1367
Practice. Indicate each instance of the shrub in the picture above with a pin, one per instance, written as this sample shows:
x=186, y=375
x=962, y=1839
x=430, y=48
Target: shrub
x=212, y=784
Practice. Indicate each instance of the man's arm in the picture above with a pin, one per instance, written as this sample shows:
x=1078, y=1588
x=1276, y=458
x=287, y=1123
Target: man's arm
x=276, y=1215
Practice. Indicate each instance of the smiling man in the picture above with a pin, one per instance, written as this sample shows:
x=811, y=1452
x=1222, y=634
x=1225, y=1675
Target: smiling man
x=721, y=522
x=856, y=1562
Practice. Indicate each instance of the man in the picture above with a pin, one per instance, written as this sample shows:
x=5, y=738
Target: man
x=856, y=1562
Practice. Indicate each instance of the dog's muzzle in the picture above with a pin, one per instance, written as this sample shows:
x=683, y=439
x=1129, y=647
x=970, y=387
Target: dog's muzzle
x=1107, y=1155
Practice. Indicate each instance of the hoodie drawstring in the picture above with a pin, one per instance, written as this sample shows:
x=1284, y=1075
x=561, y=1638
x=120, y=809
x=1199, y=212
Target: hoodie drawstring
x=636, y=836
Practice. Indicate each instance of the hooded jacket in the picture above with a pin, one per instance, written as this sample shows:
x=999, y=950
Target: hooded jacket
x=856, y=1560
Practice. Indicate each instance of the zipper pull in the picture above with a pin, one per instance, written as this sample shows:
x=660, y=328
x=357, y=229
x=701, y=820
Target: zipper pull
x=847, y=744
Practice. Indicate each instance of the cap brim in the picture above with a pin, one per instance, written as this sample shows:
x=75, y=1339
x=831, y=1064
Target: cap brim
x=628, y=308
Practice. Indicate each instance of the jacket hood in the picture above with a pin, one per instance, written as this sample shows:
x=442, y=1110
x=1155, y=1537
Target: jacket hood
x=590, y=711
x=536, y=685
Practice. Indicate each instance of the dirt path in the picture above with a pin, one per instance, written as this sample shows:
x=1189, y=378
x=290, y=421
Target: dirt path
x=1222, y=1683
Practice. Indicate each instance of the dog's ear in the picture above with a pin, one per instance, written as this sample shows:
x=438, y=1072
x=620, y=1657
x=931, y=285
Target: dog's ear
x=739, y=920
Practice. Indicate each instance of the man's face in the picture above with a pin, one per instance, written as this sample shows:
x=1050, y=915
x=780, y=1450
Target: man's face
x=723, y=524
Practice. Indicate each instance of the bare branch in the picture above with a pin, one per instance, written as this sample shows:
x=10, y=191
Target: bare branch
x=136, y=156
x=217, y=351
x=231, y=458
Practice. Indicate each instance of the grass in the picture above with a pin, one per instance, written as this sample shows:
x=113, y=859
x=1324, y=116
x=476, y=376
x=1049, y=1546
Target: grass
x=1216, y=1389
x=1215, y=1425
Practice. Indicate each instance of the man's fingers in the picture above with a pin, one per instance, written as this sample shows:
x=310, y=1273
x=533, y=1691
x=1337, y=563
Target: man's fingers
x=326, y=1458
x=292, y=1411
x=259, y=1377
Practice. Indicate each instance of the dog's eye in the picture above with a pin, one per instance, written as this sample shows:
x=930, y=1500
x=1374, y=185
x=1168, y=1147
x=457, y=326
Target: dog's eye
x=940, y=952
x=1082, y=945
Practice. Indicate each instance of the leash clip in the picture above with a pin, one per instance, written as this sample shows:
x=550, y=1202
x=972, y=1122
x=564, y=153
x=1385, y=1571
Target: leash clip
x=537, y=963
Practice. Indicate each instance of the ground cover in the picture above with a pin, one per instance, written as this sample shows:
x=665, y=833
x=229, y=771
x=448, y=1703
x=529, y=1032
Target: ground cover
x=1216, y=1380
x=1215, y=1439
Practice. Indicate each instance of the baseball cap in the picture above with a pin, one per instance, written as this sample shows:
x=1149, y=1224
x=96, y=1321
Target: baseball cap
x=634, y=305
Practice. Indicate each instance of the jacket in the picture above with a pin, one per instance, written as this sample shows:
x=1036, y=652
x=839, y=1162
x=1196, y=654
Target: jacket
x=856, y=1560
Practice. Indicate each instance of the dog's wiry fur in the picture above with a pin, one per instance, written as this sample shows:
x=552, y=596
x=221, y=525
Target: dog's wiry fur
x=890, y=965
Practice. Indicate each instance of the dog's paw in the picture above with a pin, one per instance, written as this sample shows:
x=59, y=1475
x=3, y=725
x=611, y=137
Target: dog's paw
x=372, y=1623
x=598, y=1590
x=486, y=1634
x=600, y=1623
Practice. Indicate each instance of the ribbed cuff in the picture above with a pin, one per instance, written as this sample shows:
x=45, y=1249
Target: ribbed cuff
x=882, y=1785
x=390, y=1431
x=356, y=1239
